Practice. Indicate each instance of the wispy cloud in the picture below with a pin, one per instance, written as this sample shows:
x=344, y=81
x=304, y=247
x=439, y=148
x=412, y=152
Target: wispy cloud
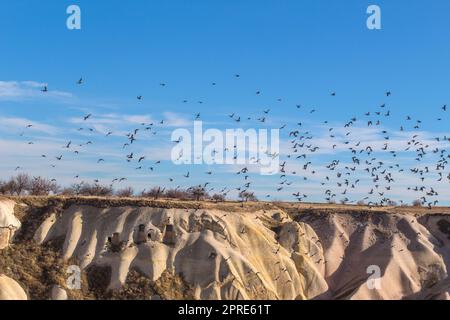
x=172, y=119
x=22, y=124
x=138, y=119
x=22, y=90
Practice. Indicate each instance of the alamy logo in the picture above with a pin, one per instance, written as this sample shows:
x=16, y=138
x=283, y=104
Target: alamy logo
x=74, y=280
x=374, y=280
x=74, y=20
x=229, y=146
x=374, y=20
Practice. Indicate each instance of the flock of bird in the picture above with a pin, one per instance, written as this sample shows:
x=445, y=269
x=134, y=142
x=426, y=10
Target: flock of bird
x=338, y=179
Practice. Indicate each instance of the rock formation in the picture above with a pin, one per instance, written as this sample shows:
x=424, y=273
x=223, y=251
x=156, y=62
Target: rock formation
x=258, y=254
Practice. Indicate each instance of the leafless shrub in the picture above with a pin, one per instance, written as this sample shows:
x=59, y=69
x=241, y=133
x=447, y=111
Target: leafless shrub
x=39, y=186
x=218, y=197
x=178, y=194
x=6, y=187
x=247, y=196
x=155, y=192
x=19, y=184
x=95, y=190
x=125, y=192
x=198, y=193
x=361, y=203
x=73, y=190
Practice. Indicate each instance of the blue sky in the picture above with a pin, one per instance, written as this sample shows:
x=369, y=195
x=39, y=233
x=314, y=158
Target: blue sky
x=298, y=51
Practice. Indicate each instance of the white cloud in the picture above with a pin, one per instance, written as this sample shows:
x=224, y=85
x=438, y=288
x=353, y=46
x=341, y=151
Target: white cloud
x=172, y=119
x=138, y=119
x=20, y=124
x=20, y=90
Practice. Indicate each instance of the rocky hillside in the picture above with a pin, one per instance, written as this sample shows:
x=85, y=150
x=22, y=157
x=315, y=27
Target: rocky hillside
x=141, y=249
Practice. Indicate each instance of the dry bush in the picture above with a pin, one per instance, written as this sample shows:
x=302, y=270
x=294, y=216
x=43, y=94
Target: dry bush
x=198, y=193
x=95, y=190
x=24, y=184
x=125, y=192
x=21, y=183
x=155, y=192
x=177, y=194
x=73, y=190
x=361, y=203
x=218, y=197
x=247, y=196
x=42, y=187
x=17, y=185
x=6, y=187
x=417, y=203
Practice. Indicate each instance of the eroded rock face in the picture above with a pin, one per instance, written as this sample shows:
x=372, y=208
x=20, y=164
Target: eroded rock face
x=11, y=290
x=5, y=236
x=58, y=293
x=410, y=254
x=9, y=224
x=264, y=254
x=221, y=255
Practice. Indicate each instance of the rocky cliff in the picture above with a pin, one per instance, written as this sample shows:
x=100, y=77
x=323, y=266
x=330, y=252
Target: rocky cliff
x=139, y=249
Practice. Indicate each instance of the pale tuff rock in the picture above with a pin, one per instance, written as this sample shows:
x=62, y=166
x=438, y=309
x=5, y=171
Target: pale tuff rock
x=265, y=254
x=403, y=249
x=11, y=290
x=9, y=224
x=5, y=236
x=210, y=249
x=42, y=232
x=58, y=293
x=306, y=252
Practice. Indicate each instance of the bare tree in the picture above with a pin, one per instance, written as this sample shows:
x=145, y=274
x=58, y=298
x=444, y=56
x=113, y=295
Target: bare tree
x=95, y=190
x=39, y=186
x=4, y=187
x=217, y=197
x=247, y=196
x=198, y=193
x=20, y=183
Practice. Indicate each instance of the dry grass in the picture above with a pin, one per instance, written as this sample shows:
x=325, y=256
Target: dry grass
x=105, y=202
x=36, y=267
